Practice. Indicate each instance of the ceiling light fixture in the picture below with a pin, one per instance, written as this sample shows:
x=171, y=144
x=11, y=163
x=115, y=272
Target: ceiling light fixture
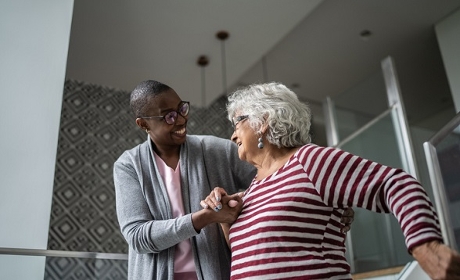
x=203, y=61
x=365, y=35
x=222, y=36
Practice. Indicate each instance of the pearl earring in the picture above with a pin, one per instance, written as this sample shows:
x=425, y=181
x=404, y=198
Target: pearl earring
x=260, y=145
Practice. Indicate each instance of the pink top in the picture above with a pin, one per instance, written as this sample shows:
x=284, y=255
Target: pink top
x=184, y=265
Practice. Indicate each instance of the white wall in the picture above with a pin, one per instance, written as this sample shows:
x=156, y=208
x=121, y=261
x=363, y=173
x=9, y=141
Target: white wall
x=34, y=39
x=448, y=34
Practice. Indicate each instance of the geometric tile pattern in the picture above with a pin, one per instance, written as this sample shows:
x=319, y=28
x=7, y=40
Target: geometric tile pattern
x=96, y=127
x=211, y=120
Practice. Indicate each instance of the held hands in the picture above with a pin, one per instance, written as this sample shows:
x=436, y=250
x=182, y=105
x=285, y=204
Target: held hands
x=438, y=260
x=227, y=207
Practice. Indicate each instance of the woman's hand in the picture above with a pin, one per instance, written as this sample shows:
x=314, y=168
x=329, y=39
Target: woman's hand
x=228, y=206
x=438, y=260
x=347, y=219
x=225, y=205
x=214, y=199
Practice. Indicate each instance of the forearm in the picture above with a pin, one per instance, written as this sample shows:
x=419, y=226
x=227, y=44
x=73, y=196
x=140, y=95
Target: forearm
x=147, y=229
x=226, y=230
x=202, y=218
x=414, y=211
x=207, y=216
x=155, y=236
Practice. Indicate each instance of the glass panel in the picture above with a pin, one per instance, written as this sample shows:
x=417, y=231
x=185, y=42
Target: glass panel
x=21, y=267
x=448, y=152
x=421, y=134
x=360, y=104
x=377, y=239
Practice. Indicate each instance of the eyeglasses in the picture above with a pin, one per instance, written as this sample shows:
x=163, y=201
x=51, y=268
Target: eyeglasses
x=171, y=117
x=238, y=119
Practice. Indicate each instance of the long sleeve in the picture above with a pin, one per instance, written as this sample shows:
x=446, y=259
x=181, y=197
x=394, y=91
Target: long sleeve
x=144, y=232
x=346, y=180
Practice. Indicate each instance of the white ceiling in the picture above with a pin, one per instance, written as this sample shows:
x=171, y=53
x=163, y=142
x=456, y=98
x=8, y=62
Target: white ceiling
x=313, y=46
x=119, y=43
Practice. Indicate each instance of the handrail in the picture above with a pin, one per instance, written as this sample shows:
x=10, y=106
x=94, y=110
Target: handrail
x=365, y=127
x=64, y=254
x=445, y=130
x=378, y=273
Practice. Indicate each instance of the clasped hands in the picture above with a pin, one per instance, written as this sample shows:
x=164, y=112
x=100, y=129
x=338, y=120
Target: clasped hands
x=227, y=206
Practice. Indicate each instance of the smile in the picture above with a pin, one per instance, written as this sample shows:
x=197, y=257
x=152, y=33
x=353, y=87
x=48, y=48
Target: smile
x=180, y=132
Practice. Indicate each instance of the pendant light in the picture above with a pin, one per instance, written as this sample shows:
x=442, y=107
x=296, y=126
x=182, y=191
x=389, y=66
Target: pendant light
x=222, y=36
x=203, y=61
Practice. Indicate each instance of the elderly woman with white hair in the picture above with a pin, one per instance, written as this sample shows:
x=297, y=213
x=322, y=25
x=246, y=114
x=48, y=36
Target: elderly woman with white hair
x=289, y=224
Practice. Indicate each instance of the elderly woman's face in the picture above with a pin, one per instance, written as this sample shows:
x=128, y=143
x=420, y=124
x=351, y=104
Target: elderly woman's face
x=244, y=137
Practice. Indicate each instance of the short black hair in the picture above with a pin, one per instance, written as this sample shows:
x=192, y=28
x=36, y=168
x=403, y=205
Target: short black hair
x=142, y=93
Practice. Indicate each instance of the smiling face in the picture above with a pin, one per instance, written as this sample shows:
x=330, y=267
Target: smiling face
x=245, y=138
x=164, y=135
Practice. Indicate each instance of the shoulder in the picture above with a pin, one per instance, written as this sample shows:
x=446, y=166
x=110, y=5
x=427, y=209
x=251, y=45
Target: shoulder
x=311, y=152
x=310, y=148
x=133, y=153
x=209, y=141
x=212, y=148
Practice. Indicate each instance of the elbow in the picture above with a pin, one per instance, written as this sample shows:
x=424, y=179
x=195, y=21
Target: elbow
x=139, y=240
x=139, y=249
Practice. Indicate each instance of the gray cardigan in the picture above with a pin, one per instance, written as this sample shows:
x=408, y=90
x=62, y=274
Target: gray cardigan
x=144, y=211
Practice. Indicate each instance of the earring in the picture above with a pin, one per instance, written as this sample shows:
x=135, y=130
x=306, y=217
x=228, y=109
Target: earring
x=147, y=130
x=260, y=145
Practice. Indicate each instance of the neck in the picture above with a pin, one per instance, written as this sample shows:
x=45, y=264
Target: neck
x=169, y=154
x=273, y=159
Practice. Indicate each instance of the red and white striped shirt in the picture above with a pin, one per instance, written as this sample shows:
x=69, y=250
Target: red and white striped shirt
x=289, y=227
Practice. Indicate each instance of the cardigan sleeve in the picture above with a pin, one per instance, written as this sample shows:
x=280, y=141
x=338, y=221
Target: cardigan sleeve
x=142, y=231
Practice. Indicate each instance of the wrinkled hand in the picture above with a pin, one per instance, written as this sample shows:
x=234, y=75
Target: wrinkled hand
x=228, y=206
x=438, y=260
x=213, y=200
x=347, y=219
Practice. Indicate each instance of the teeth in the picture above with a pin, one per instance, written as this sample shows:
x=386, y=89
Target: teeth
x=182, y=131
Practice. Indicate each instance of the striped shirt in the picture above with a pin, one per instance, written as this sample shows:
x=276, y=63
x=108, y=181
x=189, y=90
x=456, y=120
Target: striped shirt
x=289, y=227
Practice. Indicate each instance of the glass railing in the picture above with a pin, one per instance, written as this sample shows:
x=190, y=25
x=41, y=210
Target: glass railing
x=442, y=153
x=369, y=120
x=376, y=240
x=31, y=264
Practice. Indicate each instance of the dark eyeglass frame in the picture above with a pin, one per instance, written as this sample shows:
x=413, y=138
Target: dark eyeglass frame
x=173, y=114
x=238, y=119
